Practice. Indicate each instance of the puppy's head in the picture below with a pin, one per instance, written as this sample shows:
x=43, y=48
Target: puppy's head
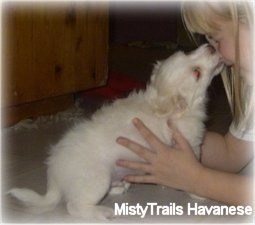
x=181, y=80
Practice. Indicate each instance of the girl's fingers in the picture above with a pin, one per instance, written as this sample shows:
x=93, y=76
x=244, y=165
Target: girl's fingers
x=140, y=179
x=138, y=149
x=141, y=166
x=148, y=135
x=178, y=137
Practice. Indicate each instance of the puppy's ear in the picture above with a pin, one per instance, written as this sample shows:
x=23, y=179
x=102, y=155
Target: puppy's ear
x=179, y=103
x=170, y=105
x=163, y=95
x=173, y=105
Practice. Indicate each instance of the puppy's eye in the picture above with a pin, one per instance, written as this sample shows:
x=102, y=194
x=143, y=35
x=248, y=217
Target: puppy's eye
x=197, y=73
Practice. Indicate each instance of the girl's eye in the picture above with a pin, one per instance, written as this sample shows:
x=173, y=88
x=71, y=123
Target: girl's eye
x=197, y=73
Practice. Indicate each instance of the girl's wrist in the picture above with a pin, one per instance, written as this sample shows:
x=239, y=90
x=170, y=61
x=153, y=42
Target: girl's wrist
x=196, y=179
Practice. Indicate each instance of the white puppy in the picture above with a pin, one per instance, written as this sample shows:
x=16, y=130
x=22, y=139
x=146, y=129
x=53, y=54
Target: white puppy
x=82, y=167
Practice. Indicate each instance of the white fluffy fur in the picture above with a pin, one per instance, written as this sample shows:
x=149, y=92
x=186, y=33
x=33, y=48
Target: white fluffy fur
x=82, y=167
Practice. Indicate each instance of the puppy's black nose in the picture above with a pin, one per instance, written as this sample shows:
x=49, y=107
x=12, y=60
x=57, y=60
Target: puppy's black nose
x=211, y=49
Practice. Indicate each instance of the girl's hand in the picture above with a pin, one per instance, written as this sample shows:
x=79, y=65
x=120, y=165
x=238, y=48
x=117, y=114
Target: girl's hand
x=175, y=166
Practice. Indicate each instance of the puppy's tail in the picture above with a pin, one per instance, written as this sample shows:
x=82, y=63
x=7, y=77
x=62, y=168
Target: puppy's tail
x=35, y=202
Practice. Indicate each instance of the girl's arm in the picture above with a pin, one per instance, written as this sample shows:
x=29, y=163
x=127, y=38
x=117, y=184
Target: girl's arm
x=225, y=153
x=230, y=188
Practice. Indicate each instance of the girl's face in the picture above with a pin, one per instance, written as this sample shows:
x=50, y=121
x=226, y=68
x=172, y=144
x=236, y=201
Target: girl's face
x=224, y=42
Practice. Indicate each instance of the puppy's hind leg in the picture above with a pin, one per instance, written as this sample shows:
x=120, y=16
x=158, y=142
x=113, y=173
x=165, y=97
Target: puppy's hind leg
x=84, y=198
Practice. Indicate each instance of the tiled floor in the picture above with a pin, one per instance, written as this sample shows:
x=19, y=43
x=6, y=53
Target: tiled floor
x=25, y=147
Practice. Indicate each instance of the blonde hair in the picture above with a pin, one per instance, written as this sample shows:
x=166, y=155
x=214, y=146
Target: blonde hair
x=204, y=18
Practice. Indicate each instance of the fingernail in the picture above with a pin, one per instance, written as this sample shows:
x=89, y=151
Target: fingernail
x=135, y=120
x=118, y=162
x=121, y=140
x=169, y=123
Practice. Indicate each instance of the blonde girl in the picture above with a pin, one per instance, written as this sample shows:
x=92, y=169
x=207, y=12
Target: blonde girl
x=228, y=27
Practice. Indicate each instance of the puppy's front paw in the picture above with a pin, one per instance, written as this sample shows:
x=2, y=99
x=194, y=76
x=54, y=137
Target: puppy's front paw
x=119, y=187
